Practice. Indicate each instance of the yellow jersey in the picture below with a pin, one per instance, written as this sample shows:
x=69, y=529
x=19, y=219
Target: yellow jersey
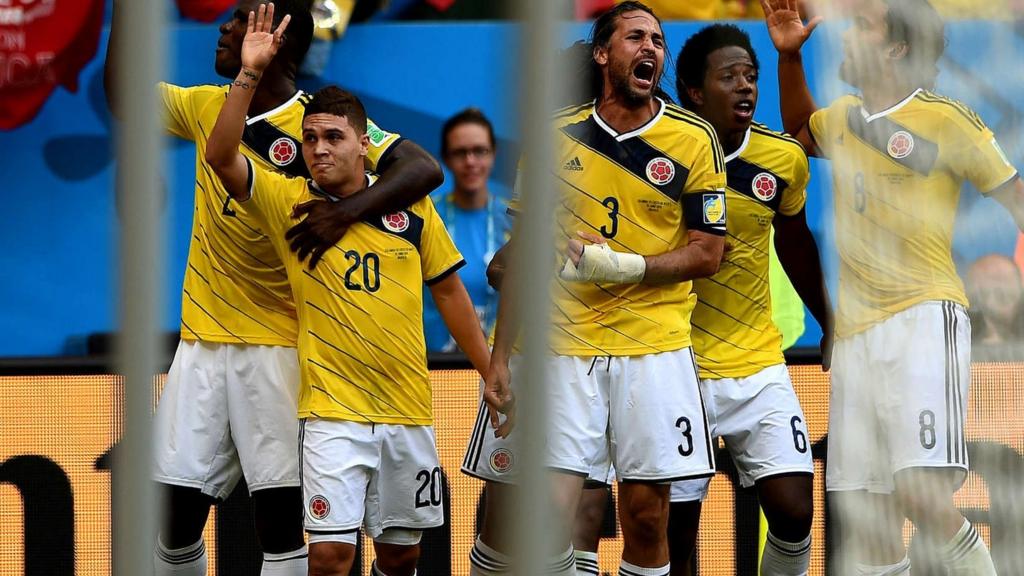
x=897, y=176
x=642, y=191
x=733, y=332
x=235, y=288
x=360, y=311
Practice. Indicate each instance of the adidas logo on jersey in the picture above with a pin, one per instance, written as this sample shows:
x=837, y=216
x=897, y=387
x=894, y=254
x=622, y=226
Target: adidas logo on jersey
x=575, y=165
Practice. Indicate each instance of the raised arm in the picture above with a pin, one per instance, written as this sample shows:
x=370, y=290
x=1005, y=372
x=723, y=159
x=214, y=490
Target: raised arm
x=798, y=254
x=408, y=174
x=788, y=33
x=258, y=49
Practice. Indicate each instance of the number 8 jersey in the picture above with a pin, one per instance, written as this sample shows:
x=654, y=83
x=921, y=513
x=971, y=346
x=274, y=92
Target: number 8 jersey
x=641, y=190
x=897, y=176
x=362, y=354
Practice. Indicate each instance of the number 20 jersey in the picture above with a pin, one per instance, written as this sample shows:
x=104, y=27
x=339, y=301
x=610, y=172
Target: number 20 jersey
x=362, y=355
x=235, y=288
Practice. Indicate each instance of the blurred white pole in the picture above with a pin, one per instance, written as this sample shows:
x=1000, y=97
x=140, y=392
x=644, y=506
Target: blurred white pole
x=539, y=95
x=140, y=63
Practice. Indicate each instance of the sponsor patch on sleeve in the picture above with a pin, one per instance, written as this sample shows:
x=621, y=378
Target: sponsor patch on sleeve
x=714, y=208
x=377, y=136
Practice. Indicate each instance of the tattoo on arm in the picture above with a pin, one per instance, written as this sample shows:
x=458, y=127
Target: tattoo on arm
x=250, y=74
x=242, y=84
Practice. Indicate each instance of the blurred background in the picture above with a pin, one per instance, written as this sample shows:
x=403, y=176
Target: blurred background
x=415, y=64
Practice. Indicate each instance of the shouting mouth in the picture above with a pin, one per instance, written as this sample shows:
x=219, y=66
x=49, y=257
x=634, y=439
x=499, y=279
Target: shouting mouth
x=644, y=72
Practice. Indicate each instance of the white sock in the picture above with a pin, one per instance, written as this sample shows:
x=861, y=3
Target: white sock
x=781, y=558
x=627, y=569
x=586, y=563
x=966, y=554
x=294, y=563
x=375, y=571
x=187, y=561
x=486, y=561
x=901, y=568
x=564, y=564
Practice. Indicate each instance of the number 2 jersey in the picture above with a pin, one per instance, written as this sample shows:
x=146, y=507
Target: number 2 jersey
x=361, y=349
x=641, y=190
x=235, y=288
x=897, y=176
x=733, y=332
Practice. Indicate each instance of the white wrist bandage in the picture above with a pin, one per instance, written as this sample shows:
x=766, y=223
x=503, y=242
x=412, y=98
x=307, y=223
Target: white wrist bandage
x=601, y=264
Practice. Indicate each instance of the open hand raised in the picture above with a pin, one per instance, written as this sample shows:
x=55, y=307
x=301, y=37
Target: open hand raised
x=787, y=31
x=260, y=44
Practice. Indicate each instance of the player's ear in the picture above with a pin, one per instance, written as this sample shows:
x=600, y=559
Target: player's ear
x=601, y=55
x=364, y=144
x=696, y=96
x=898, y=50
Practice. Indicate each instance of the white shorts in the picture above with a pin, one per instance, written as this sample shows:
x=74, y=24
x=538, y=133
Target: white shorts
x=228, y=410
x=899, y=396
x=642, y=414
x=379, y=476
x=760, y=419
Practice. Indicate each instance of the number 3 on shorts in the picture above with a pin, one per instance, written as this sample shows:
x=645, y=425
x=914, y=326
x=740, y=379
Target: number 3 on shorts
x=683, y=423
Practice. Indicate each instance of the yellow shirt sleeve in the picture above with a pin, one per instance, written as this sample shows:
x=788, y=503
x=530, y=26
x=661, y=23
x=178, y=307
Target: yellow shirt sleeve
x=178, y=110
x=707, y=171
x=976, y=155
x=381, y=142
x=438, y=255
x=825, y=123
x=795, y=197
x=703, y=199
x=272, y=196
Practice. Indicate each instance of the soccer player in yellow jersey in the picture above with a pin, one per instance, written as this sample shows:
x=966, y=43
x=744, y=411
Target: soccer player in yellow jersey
x=901, y=366
x=745, y=383
x=649, y=177
x=367, y=441
x=751, y=403
x=228, y=407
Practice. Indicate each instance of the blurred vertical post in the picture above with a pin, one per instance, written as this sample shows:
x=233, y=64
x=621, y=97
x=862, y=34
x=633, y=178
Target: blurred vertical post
x=140, y=62
x=541, y=84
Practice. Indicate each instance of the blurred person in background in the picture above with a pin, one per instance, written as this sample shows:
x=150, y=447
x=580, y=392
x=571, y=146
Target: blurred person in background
x=476, y=220
x=901, y=366
x=996, y=291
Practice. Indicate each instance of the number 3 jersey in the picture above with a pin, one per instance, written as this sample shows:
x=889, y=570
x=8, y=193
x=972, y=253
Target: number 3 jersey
x=361, y=350
x=235, y=289
x=641, y=190
x=896, y=177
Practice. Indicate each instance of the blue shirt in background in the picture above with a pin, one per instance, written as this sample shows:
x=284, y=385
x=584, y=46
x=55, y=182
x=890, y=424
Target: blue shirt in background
x=478, y=234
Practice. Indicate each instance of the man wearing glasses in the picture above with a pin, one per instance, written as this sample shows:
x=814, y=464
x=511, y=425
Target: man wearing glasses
x=475, y=219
